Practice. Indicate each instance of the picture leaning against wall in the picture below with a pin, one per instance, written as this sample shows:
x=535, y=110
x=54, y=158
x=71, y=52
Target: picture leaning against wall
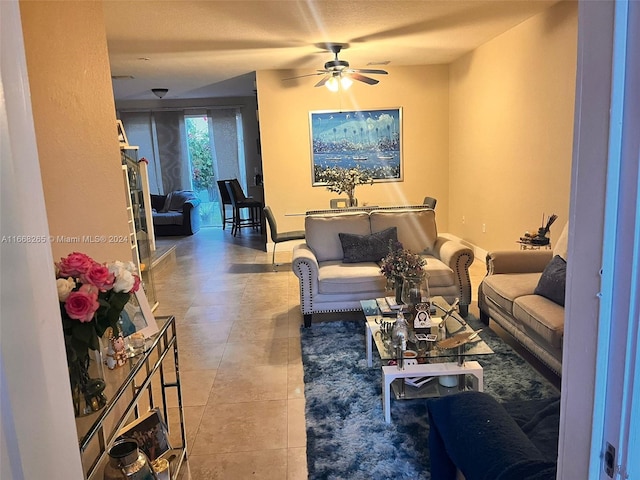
x=367, y=139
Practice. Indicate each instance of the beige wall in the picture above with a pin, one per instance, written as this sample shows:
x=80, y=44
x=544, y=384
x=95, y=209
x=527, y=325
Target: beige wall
x=284, y=108
x=74, y=117
x=490, y=136
x=511, y=130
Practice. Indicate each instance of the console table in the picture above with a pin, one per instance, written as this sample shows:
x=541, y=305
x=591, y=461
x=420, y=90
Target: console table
x=133, y=390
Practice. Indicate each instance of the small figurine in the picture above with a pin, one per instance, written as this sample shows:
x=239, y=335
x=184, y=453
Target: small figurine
x=116, y=354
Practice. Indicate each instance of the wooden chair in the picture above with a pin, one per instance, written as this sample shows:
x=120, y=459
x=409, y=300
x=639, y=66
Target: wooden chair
x=240, y=202
x=279, y=237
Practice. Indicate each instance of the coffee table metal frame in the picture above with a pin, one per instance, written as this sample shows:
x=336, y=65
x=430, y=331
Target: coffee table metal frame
x=390, y=373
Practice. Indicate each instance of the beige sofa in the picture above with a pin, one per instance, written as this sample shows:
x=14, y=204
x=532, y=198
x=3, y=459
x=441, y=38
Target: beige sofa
x=507, y=295
x=327, y=284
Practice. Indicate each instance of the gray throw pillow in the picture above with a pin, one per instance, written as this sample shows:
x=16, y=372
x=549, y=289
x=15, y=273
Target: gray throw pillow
x=367, y=248
x=553, y=280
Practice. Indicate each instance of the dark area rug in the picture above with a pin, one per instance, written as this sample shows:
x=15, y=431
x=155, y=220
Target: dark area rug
x=347, y=437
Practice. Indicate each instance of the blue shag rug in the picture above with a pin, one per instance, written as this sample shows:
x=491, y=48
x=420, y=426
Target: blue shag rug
x=347, y=437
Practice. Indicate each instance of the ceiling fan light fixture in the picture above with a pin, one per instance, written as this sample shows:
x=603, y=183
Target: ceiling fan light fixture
x=345, y=82
x=159, y=92
x=332, y=84
x=338, y=81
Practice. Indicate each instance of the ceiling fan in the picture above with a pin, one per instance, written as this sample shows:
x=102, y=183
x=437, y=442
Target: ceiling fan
x=337, y=73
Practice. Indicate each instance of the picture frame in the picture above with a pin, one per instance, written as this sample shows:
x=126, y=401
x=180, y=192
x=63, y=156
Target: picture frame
x=368, y=139
x=151, y=432
x=137, y=317
x=122, y=136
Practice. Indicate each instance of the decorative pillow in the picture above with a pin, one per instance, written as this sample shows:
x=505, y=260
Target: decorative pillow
x=553, y=280
x=367, y=248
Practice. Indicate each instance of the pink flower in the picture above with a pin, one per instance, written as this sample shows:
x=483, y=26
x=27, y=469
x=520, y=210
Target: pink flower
x=100, y=276
x=136, y=284
x=81, y=305
x=74, y=264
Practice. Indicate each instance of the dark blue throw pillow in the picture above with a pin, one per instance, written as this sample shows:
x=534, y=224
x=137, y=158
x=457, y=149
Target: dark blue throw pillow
x=553, y=280
x=367, y=248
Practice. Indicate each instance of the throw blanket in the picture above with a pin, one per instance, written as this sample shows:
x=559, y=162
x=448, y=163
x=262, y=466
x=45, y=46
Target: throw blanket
x=471, y=431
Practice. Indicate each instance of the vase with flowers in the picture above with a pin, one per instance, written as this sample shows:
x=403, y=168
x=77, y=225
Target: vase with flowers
x=399, y=264
x=345, y=180
x=92, y=296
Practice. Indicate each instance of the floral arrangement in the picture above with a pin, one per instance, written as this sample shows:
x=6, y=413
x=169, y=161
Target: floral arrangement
x=92, y=296
x=400, y=262
x=345, y=180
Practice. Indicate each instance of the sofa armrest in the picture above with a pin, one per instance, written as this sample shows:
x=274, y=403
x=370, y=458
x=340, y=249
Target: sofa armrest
x=457, y=257
x=191, y=215
x=305, y=266
x=517, y=261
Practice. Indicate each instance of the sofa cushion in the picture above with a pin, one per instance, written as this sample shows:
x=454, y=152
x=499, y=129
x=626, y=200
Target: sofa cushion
x=553, y=280
x=416, y=227
x=321, y=232
x=367, y=248
x=175, y=200
x=168, y=218
x=504, y=288
x=440, y=275
x=335, y=277
x=542, y=316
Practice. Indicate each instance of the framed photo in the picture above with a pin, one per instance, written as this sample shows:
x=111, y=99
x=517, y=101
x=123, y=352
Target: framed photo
x=137, y=316
x=151, y=433
x=122, y=136
x=368, y=139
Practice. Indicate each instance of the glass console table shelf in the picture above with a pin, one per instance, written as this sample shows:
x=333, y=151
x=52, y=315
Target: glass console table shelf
x=149, y=380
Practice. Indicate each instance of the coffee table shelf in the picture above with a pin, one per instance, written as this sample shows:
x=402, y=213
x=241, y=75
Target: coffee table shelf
x=431, y=362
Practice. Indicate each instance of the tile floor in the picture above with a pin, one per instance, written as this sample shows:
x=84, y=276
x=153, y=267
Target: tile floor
x=239, y=346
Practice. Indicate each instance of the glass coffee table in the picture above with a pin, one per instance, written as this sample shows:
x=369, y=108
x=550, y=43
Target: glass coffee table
x=426, y=368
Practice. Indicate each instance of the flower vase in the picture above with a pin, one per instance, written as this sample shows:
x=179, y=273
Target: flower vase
x=87, y=384
x=398, y=282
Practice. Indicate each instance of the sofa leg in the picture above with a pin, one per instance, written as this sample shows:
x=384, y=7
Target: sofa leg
x=484, y=317
x=307, y=320
x=464, y=310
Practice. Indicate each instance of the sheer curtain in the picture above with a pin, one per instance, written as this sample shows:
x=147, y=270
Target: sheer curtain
x=162, y=141
x=161, y=136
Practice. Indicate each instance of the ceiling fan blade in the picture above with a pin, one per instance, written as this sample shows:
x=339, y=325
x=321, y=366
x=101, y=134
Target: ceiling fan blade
x=319, y=72
x=362, y=78
x=368, y=70
x=323, y=81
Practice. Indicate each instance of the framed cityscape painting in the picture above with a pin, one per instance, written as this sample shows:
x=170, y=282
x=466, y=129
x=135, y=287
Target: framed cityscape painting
x=367, y=139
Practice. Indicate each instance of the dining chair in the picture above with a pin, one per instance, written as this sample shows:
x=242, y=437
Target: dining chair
x=279, y=237
x=430, y=202
x=225, y=200
x=240, y=202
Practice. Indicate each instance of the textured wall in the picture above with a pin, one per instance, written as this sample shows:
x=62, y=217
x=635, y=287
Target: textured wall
x=284, y=108
x=511, y=130
x=74, y=117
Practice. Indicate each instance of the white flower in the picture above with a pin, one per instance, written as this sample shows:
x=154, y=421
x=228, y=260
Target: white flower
x=125, y=280
x=65, y=287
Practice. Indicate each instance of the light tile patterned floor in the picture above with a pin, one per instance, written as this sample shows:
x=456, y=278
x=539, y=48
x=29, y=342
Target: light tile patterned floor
x=239, y=341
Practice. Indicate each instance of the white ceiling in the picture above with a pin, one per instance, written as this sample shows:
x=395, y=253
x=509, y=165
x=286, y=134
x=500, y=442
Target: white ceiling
x=200, y=49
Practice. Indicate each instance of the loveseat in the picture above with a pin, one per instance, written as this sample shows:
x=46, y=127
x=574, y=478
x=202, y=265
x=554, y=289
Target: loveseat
x=177, y=213
x=523, y=292
x=332, y=280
